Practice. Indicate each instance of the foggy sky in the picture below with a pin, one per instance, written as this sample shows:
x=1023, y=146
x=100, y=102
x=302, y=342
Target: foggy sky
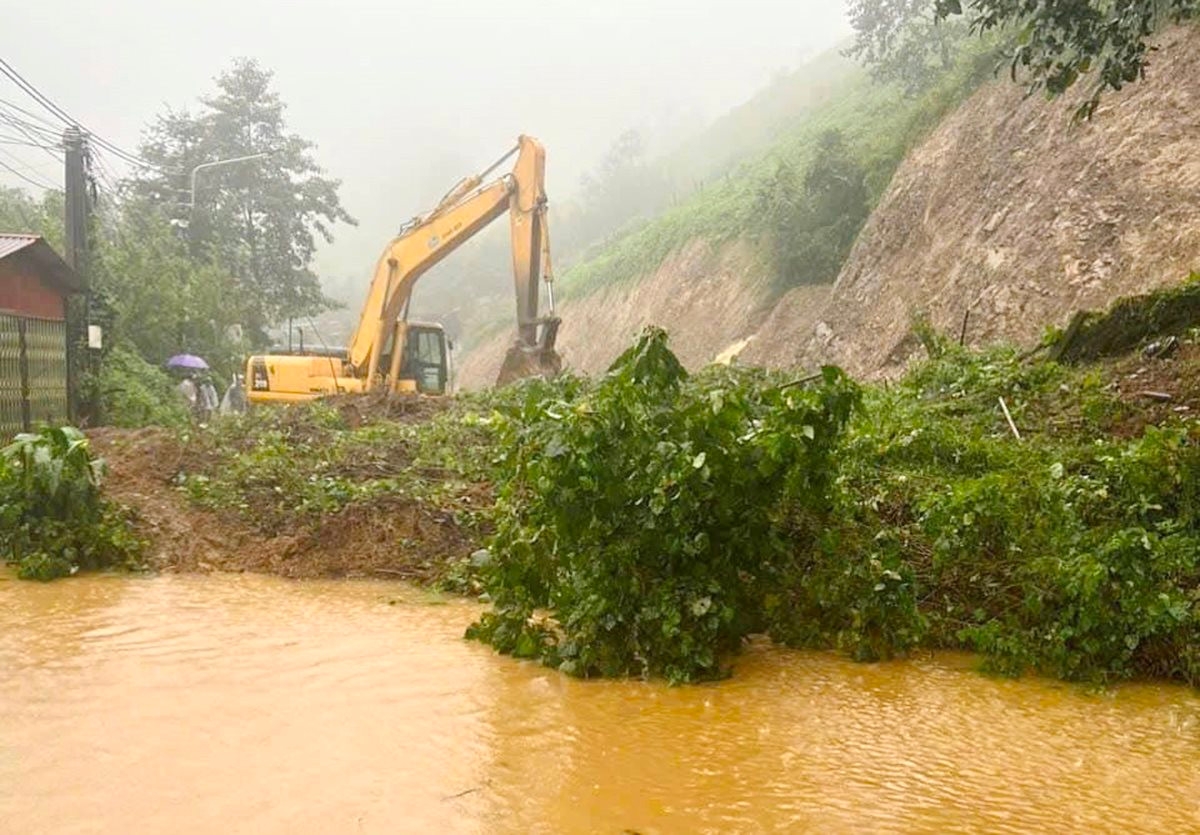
x=403, y=98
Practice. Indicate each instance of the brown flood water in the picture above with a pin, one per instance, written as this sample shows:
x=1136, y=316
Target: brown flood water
x=249, y=704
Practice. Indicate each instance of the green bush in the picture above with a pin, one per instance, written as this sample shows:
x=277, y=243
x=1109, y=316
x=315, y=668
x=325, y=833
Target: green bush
x=811, y=222
x=643, y=514
x=53, y=521
x=1067, y=552
x=134, y=393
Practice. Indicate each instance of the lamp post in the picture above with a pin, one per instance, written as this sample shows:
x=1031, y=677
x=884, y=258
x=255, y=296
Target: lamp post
x=214, y=164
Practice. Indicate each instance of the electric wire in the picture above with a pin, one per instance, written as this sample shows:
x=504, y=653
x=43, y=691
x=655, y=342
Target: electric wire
x=34, y=139
x=28, y=127
x=16, y=140
x=31, y=180
x=14, y=76
x=105, y=177
x=29, y=114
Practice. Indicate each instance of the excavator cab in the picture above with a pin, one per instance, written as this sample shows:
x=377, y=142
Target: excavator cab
x=425, y=360
x=422, y=367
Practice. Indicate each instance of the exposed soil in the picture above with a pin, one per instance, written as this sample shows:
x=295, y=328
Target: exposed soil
x=391, y=536
x=709, y=298
x=1012, y=212
x=1156, y=389
x=357, y=409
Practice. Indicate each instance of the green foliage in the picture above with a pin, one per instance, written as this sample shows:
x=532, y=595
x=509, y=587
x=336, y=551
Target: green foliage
x=259, y=220
x=1061, y=42
x=21, y=213
x=641, y=513
x=903, y=41
x=53, y=521
x=134, y=393
x=811, y=222
x=1069, y=552
x=158, y=298
x=1056, y=44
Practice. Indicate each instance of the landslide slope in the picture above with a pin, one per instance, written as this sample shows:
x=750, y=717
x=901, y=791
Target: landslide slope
x=1013, y=212
x=1005, y=208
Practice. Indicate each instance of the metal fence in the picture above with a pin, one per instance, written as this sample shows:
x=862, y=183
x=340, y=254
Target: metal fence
x=33, y=373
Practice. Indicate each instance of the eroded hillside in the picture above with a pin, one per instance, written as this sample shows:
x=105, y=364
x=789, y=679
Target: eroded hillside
x=707, y=296
x=1011, y=211
x=1007, y=209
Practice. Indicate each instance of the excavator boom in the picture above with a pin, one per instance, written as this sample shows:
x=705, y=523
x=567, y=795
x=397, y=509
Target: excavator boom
x=426, y=240
x=419, y=360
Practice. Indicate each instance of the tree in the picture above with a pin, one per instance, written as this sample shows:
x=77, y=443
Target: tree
x=812, y=221
x=1055, y=43
x=154, y=296
x=259, y=220
x=904, y=41
x=21, y=213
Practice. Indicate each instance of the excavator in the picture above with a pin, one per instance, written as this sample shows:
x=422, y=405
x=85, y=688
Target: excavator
x=390, y=353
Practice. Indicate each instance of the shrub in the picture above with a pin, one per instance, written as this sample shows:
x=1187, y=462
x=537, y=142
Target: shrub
x=134, y=393
x=53, y=521
x=642, y=514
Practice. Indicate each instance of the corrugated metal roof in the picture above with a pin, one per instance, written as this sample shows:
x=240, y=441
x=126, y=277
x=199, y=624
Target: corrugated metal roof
x=12, y=243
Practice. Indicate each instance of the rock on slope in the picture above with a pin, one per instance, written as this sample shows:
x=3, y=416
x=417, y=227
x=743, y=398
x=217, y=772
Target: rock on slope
x=1013, y=212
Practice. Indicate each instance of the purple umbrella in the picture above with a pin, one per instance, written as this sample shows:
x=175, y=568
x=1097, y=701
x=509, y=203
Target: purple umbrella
x=190, y=361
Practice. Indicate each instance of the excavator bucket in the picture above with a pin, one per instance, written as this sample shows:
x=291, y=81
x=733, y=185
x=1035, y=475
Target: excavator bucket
x=540, y=360
x=521, y=362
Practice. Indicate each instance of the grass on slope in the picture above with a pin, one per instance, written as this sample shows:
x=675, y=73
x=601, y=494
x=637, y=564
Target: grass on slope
x=878, y=123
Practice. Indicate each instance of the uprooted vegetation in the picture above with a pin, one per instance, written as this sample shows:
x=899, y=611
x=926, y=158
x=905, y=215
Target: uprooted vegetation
x=654, y=516
x=646, y=522
x=649, y=524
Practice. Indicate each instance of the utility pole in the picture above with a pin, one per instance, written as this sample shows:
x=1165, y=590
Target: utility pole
x=75, y=225
x=76, y=209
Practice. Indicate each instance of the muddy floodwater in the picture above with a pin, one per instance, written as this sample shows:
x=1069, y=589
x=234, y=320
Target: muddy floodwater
x=235, y=704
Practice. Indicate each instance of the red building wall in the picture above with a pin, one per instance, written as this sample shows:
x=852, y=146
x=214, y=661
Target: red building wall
x=22, y=291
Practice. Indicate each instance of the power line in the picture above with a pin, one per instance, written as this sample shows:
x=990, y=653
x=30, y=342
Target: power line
x=34, y=93
x=28, y=166
x=105, y=176
x=34, y=139
x=14, y=76
x=28, y=126
x=29, y=114
x=30, y=180
x=16, y=140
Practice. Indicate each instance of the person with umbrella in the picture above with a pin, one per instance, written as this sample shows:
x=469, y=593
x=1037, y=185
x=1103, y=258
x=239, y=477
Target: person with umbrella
x=187, y=390
x=192, y=394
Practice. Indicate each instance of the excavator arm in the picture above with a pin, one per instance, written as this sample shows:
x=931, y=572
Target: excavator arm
x=426, y=240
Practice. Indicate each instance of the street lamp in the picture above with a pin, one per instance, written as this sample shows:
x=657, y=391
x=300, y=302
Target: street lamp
x=214, y=164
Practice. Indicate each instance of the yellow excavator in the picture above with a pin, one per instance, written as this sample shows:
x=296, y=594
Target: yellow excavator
x=387, y=351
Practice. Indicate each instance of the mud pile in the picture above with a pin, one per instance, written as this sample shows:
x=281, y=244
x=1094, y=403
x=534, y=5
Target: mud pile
x=386, y=536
